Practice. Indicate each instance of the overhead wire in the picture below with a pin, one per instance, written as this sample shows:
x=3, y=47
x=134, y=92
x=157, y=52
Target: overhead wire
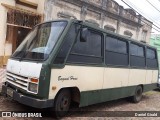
x=139, y=12
x=155, y=9
x=153, y=5
x=155, y=25
x=143, y=16
x=153, y=19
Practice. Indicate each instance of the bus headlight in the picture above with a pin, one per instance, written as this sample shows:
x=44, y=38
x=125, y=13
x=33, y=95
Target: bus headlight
x=33, y=87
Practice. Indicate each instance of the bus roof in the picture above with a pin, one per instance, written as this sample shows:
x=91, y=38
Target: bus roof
x=91, y=25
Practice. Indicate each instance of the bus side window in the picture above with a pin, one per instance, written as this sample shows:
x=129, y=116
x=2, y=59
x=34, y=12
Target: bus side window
x=151, y=58
x=116, y=52
x=84, y=33
x=66, y=45
x=89, y=51
x=137, y=55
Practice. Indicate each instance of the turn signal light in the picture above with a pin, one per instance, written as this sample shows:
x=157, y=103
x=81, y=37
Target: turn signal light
x=34, y=80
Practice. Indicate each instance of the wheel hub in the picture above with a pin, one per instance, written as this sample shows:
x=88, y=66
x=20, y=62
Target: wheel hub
x=64, y=103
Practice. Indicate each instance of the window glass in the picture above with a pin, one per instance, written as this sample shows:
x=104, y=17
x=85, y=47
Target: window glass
x=116, y=53
x=115, y=45
x=91, y=47
x=144, y=35
x=39, y=43
x=70, y=37
x=151, y=54
x=136, y=50
x=128, y=33
x=110, y=28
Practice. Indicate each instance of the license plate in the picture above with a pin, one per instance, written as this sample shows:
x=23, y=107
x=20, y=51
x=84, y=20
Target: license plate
x=10, y=92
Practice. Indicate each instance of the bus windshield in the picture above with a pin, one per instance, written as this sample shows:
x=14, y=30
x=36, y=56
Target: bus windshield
x=39, y=43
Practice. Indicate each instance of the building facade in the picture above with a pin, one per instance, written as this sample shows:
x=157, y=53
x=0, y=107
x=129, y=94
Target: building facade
x=17, y=19
x=106, y=14
x=155, y=41
x=19, y=16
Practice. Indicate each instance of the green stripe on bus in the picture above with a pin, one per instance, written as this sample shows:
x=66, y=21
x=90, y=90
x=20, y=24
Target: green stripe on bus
x=98, y=96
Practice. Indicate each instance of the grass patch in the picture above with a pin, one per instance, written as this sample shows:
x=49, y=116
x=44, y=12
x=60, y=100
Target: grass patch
x=151, y=93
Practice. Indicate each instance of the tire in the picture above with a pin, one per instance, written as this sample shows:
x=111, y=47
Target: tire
x=62, y=103
x=138, y=95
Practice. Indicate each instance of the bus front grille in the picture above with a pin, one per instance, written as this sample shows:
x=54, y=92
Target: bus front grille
x=17, y=80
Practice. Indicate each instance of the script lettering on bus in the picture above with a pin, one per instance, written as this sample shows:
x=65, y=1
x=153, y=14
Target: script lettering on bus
x=60, y=78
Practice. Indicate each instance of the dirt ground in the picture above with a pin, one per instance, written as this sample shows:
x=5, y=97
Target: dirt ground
x=150, y=102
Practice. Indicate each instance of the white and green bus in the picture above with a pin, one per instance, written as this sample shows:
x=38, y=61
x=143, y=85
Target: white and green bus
x=66, y=61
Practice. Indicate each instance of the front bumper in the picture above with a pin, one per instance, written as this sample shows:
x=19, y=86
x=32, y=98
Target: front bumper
x=29, y=101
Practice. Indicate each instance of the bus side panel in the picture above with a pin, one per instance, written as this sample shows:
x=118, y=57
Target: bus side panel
x=137, y=77
x=115, y=77
x=115, y=84
x=88, y=80
x=155, y=76
x=154, y=81
x=117, y=93
x=148, y=76
x=149, y=87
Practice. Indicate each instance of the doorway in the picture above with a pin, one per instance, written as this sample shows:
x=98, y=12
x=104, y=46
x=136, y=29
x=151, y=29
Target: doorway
x=19, y=23
x=15, y=35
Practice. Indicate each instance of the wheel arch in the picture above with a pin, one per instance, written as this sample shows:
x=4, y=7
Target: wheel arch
x=75, y=93
x=141, y=86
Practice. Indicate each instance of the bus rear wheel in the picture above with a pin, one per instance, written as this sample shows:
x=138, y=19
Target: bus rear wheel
x=138, y=95
x=62, y=103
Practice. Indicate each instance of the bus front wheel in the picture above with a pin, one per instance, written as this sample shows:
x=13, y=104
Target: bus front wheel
x=62, y=103
x=138, y=95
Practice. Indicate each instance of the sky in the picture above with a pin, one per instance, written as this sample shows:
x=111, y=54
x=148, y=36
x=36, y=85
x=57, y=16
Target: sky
x=146, y=10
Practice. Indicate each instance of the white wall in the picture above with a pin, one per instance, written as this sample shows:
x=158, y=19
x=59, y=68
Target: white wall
x=3, y=25
x=40, y=8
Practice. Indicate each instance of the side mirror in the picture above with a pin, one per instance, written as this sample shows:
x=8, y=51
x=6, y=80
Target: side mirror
x=84, y=34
